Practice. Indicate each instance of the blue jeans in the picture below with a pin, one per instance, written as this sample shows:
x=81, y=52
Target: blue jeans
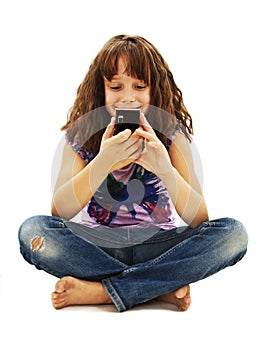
x=133, y=273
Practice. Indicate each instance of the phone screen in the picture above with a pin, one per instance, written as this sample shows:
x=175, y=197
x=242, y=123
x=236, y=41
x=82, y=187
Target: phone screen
x=127, y=119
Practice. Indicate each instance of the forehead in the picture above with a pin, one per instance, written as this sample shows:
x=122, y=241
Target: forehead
x=122, y=71
x=130, y=65
x=121, y=66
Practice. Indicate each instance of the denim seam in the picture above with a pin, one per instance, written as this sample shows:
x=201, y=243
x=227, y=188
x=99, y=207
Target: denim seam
x=112, y=291
x=58, y=221
x=171, y=250
x=206, y=225
x=102, y=250
x=39, y=266
x=114, y=295
x=161, y=240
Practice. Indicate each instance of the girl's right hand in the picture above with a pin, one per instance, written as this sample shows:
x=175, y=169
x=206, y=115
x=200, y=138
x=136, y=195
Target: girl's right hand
x=119, y=150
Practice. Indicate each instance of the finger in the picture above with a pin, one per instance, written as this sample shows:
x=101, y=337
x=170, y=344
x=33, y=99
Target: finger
x=134, y=144
x=149, y=136
x=122, y=136
x=142, y=159
x=109, y=129
x=145, y=124
x=136, y=150
x=135, y=136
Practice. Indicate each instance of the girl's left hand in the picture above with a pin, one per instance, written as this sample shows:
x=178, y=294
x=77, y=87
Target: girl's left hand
x=154, y=156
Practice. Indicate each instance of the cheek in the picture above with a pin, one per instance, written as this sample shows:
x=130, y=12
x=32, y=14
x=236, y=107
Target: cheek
x=109, y=98
x=107, y=95
x=110, y=110
x=146, y=97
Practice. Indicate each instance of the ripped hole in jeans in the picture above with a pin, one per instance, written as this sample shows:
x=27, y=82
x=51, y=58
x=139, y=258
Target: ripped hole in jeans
x=37, y=243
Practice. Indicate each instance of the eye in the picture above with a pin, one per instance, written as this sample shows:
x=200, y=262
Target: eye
x=141, y=86
x=115, y=87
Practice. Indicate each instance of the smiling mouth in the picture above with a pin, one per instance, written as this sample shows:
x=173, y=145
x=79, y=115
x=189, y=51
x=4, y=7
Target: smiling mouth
x=112, y=108
x=127, y=106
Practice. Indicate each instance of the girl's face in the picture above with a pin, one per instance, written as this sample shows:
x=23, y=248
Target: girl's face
x=123, y=91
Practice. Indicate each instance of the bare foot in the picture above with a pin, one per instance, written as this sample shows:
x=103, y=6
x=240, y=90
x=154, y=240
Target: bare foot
x=73, y=291
x=180, y=298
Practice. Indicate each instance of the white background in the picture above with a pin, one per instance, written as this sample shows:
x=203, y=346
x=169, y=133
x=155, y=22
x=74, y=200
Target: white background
x=46, y=48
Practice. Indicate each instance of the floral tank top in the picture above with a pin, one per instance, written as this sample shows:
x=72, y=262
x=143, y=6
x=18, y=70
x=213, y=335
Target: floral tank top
x=129, y=197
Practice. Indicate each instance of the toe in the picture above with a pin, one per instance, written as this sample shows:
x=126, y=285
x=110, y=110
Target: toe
x=55, y=295
x=58, y=306
x=59, y=303
x=184, y=304
x=181, y=293
x=61, y=285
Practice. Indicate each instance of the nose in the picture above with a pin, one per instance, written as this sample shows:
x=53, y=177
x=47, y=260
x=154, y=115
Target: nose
x=128, y=96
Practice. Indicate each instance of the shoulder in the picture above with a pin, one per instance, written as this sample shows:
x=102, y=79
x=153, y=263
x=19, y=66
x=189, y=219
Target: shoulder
x=79, y=149
x=71, y=165
x=71, y=160
x=181, y=146
x=69, y=153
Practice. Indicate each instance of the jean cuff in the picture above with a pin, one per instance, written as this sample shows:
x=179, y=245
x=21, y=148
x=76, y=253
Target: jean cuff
x=114, y=295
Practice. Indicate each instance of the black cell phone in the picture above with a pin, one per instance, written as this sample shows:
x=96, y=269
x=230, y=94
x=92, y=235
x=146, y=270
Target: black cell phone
x=127, y=119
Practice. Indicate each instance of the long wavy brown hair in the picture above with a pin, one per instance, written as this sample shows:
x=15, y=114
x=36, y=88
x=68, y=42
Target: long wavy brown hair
x=144, y=62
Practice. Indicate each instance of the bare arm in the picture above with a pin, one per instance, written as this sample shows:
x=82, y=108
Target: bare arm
x=77, y=182
x=176, y=170
x=73, y=189
x=184, y=185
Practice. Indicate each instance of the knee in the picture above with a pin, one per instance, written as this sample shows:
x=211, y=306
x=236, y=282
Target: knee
x=236, y=236
x=238, y=231
x=30, y=233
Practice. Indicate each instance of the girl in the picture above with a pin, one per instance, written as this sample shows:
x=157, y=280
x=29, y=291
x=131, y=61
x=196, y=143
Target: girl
x=127, y=249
